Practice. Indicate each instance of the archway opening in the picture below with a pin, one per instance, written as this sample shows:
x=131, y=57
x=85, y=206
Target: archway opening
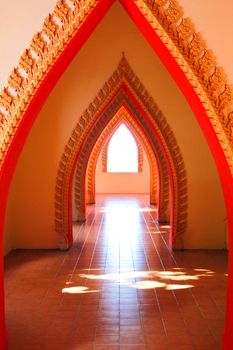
x=118, y=170
x=122, y=152
x=210, y=137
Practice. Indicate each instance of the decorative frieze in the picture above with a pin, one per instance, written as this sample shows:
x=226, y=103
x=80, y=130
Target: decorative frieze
x=92, y=124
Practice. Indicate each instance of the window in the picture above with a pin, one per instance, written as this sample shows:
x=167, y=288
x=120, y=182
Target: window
x=122, y=154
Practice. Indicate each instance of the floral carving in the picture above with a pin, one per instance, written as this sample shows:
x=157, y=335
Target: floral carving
x=92, y=123
x=50, y=28
x=102, y=144
x=178, y=35
x=198, y=63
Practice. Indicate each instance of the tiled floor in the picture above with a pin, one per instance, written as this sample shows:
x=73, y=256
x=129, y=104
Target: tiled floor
x=119, y=287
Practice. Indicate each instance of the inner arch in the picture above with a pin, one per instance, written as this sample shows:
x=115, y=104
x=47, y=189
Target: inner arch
x=225, y=173
x=122, y=156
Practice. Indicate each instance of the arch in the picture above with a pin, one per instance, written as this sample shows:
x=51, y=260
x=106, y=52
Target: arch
x=184, y=54
x=131, y=93
x=139, y=150
x=165, y=18
x=122, y=116
x=162, y=170
x=116, y=163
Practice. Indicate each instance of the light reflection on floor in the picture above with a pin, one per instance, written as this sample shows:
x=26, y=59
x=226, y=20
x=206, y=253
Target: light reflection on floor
x=119, y=287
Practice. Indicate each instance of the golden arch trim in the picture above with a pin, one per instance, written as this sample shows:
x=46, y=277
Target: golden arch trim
x=178, y=35
x=122, y=116
x=122, y=75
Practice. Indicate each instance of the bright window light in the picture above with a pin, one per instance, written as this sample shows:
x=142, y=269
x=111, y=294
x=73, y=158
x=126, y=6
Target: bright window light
x=122, y=152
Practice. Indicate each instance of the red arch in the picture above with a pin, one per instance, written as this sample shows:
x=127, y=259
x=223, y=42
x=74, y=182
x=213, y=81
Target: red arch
x=173, y=68
x=93, y=158
x=81, y=160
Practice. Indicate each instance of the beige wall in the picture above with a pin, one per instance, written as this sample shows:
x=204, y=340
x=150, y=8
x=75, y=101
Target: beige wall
x=213, y=19
x=31, y=201
x=126, y=183
x=123, y=182
x=21, y=19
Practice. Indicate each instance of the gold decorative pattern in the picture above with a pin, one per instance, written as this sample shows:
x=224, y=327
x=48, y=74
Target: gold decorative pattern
x=139, y=150
x=44, y=50
x=105, y=157
x=85, y=152
x=92, y=123
x=50, y=28
x=198, y=63
x=176, y=32
x=122, y=116
x=178, y=35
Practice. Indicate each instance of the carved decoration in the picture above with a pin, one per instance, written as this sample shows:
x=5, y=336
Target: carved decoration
x=178, y=35
x=122, y=116
x=95, y=134
x=34, y=64
x=105, y=157
x=38, y=45
x=50, y=28
x=198, y=63
x=92, y=123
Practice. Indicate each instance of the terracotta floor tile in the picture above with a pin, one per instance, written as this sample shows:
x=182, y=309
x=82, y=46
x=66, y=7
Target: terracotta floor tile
x=156, y=339
x=107, y=339
x=107, y=330
x=131, y=339
x=158, y=347
x=119, y=287
x=132, y=347
x=131, y=329
x=106, y=347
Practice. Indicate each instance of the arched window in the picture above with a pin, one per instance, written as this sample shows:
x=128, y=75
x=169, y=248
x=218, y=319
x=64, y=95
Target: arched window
x=122, y=154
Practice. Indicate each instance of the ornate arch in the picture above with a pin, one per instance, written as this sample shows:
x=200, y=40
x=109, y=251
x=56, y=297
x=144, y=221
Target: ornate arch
x=122, y=88
x=122, y=116
x=181, y=49
x=82, y=161
x=139, y=149
x=166, y=19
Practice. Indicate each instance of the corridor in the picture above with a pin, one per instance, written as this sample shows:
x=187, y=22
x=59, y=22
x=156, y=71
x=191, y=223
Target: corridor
x=119, y=287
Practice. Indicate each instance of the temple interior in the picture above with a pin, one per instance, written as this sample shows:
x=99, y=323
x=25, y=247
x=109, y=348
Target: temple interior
x=117, y=201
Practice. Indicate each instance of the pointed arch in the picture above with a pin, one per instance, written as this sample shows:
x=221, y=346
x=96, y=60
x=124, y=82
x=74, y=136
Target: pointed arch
x=122, y=116
x=123, y=88
x=127, y=159
x=161, y=21
x=181, y=49
x=85, y=152
x=139, y=150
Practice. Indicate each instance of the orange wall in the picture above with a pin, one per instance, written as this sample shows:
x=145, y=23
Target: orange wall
x=30, y=213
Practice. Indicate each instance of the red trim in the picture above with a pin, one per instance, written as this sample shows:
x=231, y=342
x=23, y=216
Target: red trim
x=27, y=122
x=169, y=166
x=137, y=139
x=195, y=103
x=156, y=136
x=69, y=233
x=3, y=332
x=210, y=136
x=123, y=120
x=157, y=167
x=190, y=95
